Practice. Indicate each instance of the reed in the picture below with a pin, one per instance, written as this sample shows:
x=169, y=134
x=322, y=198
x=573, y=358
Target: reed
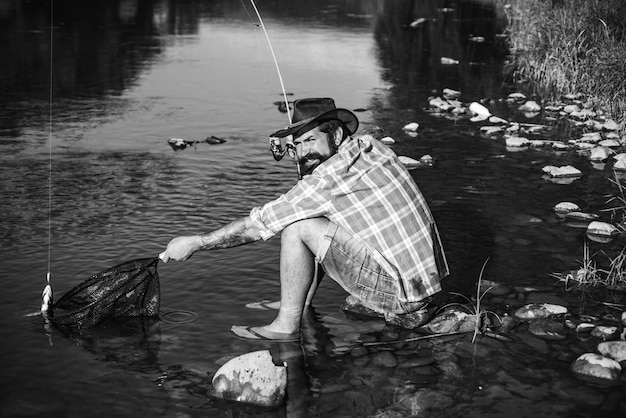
x=474, y=307
x=570, y=46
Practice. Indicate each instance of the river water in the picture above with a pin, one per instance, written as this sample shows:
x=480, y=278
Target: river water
x=86, y=167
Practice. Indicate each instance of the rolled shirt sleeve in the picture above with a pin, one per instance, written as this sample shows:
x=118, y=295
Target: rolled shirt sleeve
x=309, y=198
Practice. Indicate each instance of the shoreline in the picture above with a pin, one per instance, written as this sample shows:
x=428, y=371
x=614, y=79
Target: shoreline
x=569, y=47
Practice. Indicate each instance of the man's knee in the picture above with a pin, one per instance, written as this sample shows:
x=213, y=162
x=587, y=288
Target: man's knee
x=308, y=231
x=306, y=228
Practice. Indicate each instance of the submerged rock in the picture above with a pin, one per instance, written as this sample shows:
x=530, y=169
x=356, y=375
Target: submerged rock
x=539, y=310
x=566, y=207
x=409, y=321
x=596, y=368
x=563, y=171
x=547, y=328
x=251, y=378
x=581, y=216
x=452, y=320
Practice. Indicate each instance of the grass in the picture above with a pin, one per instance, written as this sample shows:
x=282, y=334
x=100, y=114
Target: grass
x=617, y=203
x=613, y=276
x=590, y=275
x=569, y=47
x=474, y=308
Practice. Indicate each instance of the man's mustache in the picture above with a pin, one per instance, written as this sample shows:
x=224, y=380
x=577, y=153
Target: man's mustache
x=310, y=156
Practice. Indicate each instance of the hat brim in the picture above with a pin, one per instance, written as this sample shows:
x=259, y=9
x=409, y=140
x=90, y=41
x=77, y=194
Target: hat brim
x=349, y=119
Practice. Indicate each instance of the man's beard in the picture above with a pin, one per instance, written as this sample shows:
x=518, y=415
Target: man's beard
x=310, y=162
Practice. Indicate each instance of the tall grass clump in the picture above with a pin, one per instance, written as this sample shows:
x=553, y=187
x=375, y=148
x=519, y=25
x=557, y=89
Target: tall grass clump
x=571, y=46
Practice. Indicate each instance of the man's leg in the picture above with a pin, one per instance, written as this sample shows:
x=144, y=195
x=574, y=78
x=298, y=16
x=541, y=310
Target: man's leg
x=300, y=242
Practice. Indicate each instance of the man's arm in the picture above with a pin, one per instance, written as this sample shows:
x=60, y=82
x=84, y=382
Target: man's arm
x=239, y=232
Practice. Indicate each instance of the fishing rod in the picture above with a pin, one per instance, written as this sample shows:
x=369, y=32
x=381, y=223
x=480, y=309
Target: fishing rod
x=275, y=143
x=280, y=77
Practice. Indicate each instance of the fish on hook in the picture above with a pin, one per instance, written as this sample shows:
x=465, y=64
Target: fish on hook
x=46, y=299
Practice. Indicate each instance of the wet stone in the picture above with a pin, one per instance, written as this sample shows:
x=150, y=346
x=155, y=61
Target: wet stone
x=539, y=310
x=383, y=359
x=251, y=378
x=547, y=328
x=605, y=333
x=416, y=362
x=596, y=368
x=452, y=320
x=585, y=327
x=613, y=349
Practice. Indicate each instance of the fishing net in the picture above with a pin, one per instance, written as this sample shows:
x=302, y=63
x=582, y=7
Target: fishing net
x=130, y=289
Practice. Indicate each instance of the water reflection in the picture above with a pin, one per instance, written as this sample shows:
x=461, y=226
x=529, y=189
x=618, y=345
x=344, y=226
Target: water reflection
x=128, y=75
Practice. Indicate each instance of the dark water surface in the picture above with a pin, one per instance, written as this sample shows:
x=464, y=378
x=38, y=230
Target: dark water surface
x=128, y=75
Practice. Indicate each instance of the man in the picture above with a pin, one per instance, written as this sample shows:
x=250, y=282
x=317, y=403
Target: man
x=355, y=211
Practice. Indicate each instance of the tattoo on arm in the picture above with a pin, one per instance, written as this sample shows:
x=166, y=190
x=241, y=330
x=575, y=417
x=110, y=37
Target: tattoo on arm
x=239, y=232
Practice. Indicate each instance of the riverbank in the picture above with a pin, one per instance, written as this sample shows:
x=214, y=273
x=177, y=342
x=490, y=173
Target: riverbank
x=570, y=47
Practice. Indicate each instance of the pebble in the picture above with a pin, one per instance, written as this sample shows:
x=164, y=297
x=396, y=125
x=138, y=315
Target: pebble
x=565, y=207
x=413, y=126
x=613, y=349
x=604, y=332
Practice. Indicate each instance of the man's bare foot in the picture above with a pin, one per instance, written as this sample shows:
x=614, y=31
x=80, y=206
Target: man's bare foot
x=264, y=305
x=263, y=334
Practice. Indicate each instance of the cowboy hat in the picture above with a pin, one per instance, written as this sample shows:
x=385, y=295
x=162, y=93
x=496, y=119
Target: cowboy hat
x=309, y=113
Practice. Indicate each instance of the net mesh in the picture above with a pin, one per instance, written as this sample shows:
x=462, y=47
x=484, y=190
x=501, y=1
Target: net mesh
x=130, y=289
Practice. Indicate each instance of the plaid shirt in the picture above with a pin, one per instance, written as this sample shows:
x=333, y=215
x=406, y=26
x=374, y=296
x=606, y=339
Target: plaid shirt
x=365, y=189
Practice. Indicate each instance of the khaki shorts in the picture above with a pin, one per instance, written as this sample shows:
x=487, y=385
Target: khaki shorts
x=347, y=260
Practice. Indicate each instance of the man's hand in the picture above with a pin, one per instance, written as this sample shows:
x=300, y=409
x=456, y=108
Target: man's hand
x=181, y=248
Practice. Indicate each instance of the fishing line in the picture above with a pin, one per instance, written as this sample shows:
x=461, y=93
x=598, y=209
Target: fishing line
x=258, y=45
x=280, y=77
x=50, y=145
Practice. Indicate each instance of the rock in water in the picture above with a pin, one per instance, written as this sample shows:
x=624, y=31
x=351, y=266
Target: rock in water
x=613, y=349
x=596, y=368
x=563, y=171
x=539, y=310
x=252, y=378
x=450, y=321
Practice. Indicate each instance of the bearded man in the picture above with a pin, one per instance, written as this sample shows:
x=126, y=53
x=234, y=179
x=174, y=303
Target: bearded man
x=355, y=211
